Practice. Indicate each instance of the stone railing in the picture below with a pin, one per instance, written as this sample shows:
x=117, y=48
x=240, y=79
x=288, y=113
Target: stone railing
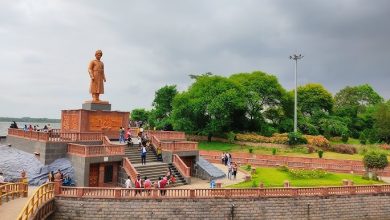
x=344, y=166
x=41, y=204
x=12, y=190
x=56, y=135
x=167, y=135
x=94, y=192
x=95, y=150
x=129, y=169
x=174, y=145
x=181, y=166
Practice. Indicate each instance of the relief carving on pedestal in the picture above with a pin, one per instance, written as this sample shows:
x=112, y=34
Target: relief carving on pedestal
x=70, y=122
x=104, y=122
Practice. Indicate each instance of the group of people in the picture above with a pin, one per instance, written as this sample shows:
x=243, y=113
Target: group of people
x=145, y=184
x=46, y=128
x=226, y=159
x=66, y=180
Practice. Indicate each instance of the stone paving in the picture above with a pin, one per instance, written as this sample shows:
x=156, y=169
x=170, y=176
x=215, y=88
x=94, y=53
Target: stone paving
x=11, y=209
x=197, y=183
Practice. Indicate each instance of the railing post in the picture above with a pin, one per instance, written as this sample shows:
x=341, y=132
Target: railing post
x=325, y=191
x=117, y=193
x=378, y=189
x=192, y=193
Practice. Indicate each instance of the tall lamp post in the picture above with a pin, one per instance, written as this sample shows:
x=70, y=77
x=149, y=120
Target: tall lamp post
x=296, y=58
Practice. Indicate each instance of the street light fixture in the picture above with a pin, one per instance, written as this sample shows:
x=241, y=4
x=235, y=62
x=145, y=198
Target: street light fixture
x=296, y=58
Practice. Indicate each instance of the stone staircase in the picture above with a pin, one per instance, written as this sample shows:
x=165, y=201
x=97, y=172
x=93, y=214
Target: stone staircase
x=134, y=155
x=153, y=168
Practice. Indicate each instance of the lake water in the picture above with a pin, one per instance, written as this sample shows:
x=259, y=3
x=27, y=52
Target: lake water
x=5, y=125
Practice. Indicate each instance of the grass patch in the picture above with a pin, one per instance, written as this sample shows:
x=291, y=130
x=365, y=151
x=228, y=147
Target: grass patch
x=273, y=177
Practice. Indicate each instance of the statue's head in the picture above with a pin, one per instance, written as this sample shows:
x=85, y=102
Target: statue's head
x=98, y=54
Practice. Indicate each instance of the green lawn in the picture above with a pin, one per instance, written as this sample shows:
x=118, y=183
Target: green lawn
x=273, y=177
x=299, y=151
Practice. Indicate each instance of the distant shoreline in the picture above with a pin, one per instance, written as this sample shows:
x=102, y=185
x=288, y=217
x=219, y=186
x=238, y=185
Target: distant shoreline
x=28, y=119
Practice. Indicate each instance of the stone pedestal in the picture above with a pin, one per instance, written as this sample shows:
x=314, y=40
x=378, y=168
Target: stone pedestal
x=82, y=120
x=97, y=106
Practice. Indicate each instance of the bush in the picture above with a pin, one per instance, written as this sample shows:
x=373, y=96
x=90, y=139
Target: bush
x=375, y=160
x=344, y=138
x=250, y=150
x=283, y=168
x=273, y=151
x=318, y=141
x=320, y=153
x=254, y=184
x=385, y=146
x=307, y=174
x=344, y=149
x=363, y=138
x=248, y=167
x=295, y=138
x=310, y=149
x=231, y=136
x=252, y=137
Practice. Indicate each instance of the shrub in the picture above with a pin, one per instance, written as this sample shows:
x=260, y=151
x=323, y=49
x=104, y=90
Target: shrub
x=307, y=174
x=295, y=138
x=363, y=138
x=310, y=149
x=248, y=167
x=283, y=168
x=318, y=141
x=344, y=138
x=250, y=150
x=273, y=151
x=254, y=184
x=252, y=137
x=375, y=160
x=385, y=146
x=231, y=136
x=320, y=153
x=344, y=149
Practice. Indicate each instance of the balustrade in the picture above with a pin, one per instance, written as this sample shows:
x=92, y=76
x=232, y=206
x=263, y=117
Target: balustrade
x=56, y=135
x=181, y=166
x=40, y=205
x=95, y=150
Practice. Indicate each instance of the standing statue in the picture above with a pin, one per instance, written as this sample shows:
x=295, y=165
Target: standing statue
x=96, y=72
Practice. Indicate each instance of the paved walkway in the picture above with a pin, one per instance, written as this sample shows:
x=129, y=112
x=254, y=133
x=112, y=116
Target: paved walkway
x=11, y=209
x=197, y=183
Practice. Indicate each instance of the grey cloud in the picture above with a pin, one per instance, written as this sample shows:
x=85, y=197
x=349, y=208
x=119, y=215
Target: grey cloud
x=46, y=46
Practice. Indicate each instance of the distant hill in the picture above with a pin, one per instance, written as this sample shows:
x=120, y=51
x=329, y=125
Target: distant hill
x=28, y=119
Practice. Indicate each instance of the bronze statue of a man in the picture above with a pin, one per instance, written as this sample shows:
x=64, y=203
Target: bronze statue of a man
x=96, y=72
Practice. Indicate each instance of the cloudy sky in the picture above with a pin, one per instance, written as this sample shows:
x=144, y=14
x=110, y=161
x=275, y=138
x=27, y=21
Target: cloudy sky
x=46, y=46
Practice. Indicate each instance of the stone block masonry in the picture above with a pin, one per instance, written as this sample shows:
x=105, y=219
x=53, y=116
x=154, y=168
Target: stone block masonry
x=332, y=207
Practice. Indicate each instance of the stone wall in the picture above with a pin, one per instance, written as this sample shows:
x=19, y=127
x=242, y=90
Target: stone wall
x=332, y=207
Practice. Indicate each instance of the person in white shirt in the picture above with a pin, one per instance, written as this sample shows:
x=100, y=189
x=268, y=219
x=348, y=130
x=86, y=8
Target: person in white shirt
x=128, y=183
x=1, y=178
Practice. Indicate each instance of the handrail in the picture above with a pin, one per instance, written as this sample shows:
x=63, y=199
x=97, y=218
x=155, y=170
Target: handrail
x=100, y=192
x=181, y=166
x=56, y=136
x=129, y=169
x=42, y=196
x=95, y=150
x=173, y=145
x=12, y=189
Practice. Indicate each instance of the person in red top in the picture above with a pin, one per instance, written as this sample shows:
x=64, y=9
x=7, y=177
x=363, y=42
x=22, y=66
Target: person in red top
x=138, y=185
x=162, y=182
x=147, y=185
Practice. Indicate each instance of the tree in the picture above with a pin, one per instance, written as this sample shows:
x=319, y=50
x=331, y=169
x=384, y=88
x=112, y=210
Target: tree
x=263, y=96
x=162, y=103
x=140, y=114
x=382, y=121
x=375, y=161
x=357, y=104
x=354, y=100
x=208, y=106
x=314, y=97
